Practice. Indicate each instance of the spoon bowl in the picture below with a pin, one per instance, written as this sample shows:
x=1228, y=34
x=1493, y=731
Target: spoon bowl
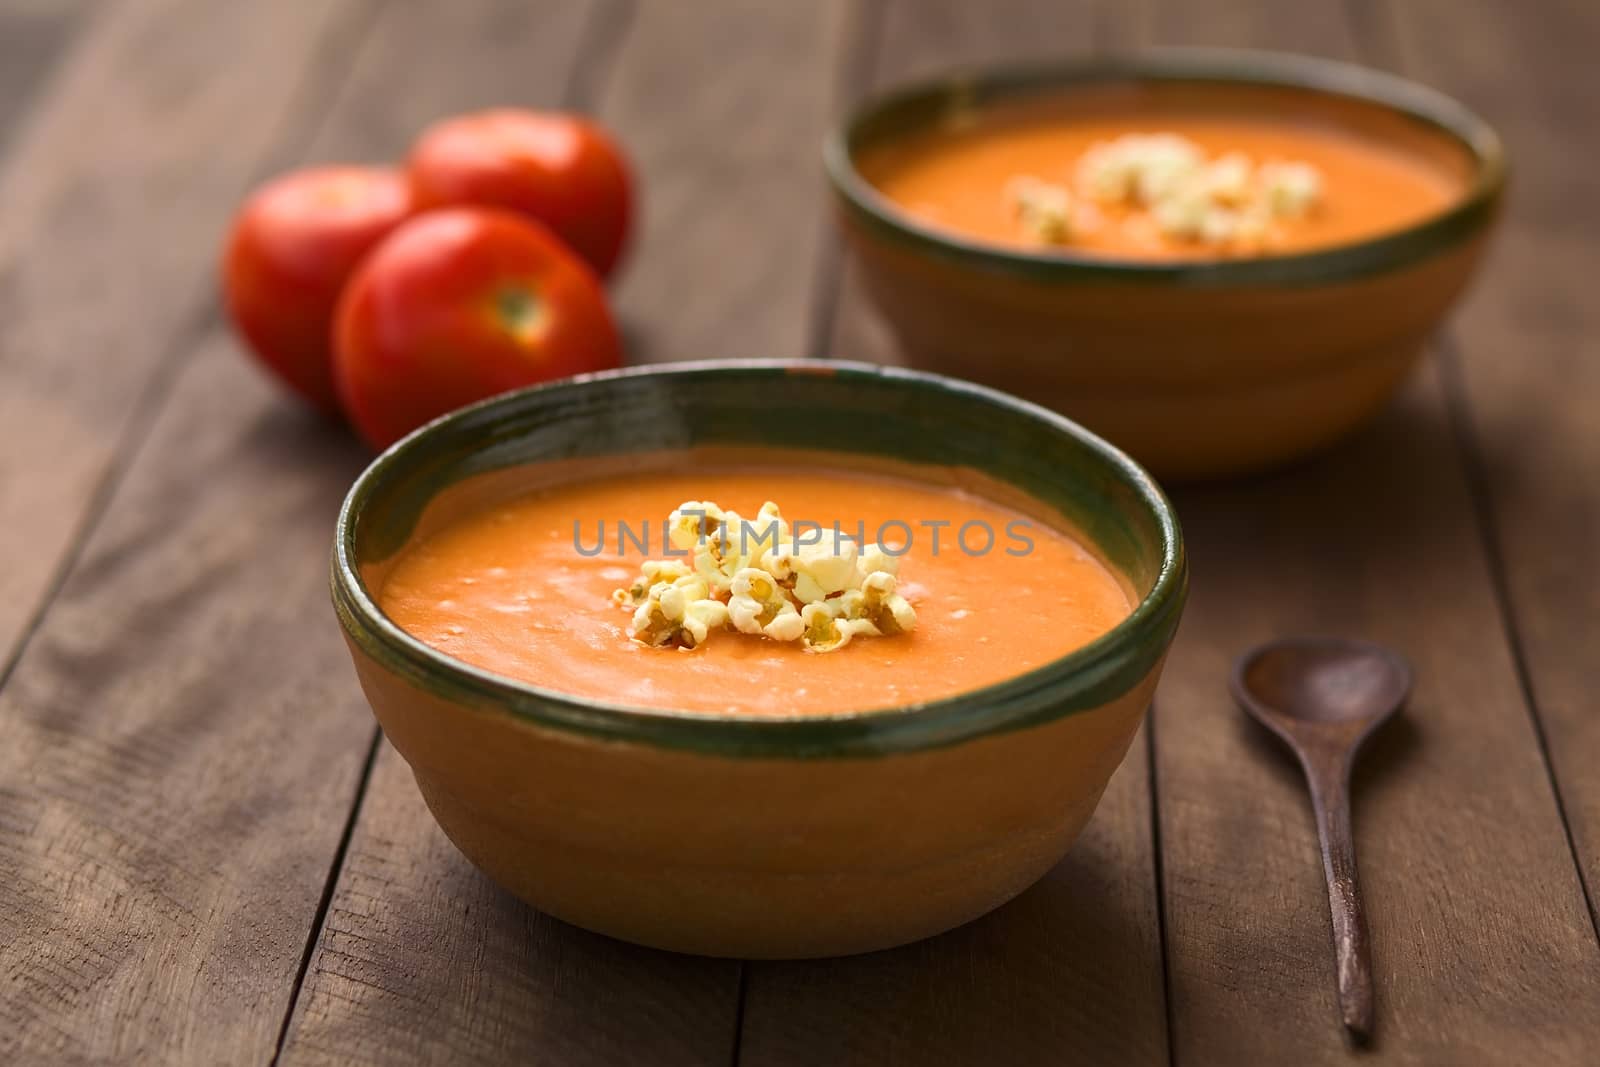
x=1323, y=680
x=1323, y=697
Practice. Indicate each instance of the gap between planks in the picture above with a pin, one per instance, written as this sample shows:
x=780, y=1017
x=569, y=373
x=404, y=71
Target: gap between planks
x=862, y=33
x=862, y=52
x=1377, y=42
x=299, y=126
x=601, y=39
x=1470, y=445
x=335, y=865
x=689, y=225
x=1212, y=987
x=1054, y=1007
x=1157, y=867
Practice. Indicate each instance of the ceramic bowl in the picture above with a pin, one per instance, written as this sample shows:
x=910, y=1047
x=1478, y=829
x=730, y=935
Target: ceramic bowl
x=780, y=837
x=1199, y=368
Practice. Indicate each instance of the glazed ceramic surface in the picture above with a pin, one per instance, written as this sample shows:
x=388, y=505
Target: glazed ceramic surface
x=770, y=837
x=1201, y=368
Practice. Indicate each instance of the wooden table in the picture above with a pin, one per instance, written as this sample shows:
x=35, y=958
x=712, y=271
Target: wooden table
x=208, y=855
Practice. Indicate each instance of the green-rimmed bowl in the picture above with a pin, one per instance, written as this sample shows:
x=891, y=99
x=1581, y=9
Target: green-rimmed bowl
x=1199, y=368
x=769, y=837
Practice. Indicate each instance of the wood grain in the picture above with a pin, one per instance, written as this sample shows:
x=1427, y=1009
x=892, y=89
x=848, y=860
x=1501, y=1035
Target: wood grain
x=1481, y=946
x=180, y=745
x=160, y=874
x=723, y=110
x=1481, y=943
x=420, y=957
x=1070, y=971
x=423, y=960
x=1312, y=29
x=112, y=203
x=1525, y=355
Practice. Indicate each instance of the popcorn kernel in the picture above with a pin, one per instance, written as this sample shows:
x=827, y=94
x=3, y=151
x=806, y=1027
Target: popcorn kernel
x=750, y=576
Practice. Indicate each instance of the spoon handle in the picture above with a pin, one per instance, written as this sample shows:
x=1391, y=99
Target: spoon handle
x=1330, y=799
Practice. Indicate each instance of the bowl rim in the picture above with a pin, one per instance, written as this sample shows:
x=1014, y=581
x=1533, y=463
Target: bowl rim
x=1388, y=250
x=1076, y=681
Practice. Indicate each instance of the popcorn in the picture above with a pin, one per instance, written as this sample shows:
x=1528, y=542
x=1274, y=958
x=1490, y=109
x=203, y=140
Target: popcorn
x=1226, y=201
x=751, y=576
x=692, y=522
x=673, y=615
x=825, y=632
x=787, y=626
x=877, y=603
x=1197, y=220
x=651, y=572
x=718, y=559
x=887, y=610
x=1162, y=177
x=818, y=570
x=1252, y=228
x=1290, y=189
x=1182, y=217
x=757, y=605
x=1219, y=226
x=702, y=617
x=1045, y=209
x=875, y=558
x=1227, y=179
x=766, y=533
x=1106, y=174
x=718, y=542
x=1139, y=168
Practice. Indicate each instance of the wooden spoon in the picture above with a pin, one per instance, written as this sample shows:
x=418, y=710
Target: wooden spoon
x=1323, y=697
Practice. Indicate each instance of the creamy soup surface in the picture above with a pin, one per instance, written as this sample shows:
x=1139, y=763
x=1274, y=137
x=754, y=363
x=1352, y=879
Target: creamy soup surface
x=508, y=589
x=957, y=177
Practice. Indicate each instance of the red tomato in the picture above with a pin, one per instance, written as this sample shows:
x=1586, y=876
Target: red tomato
x=460, y=304
x=292, y=247
x=560, y=169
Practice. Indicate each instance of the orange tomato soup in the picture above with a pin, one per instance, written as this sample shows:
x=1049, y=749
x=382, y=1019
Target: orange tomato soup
x=956, y=177
x=513, y=589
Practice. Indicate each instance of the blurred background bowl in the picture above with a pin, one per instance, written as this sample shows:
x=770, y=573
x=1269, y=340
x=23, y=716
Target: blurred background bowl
x=1199, y=368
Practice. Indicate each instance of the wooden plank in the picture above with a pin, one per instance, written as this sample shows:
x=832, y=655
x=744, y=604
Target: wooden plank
x=419, y=956
x=134, y=918
x=1070, y=971
x=180, y=745
x=424, y=960
x=160, y=874
x=419, y=66
x=1482, y=946
x=723, y=112
x=32, y=36
x=1311, y=29
x=111, y=205
x=1527, y=356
